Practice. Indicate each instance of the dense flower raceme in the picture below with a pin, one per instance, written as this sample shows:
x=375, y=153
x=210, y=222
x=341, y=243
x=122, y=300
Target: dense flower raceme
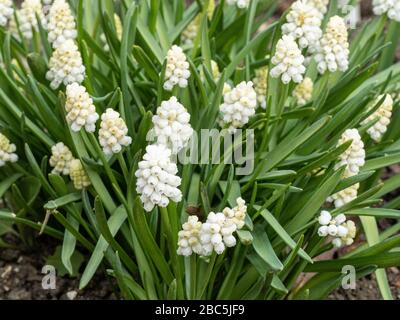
x=342, y=230
x=303, y=91
x=113, y=133
x=27, y=17
x=241, y=4
x=288, y=61
x=215, y=235
x=157, y=180
x=7, y=151
x=352, y=159
x=239, y=105
x=61, y=23
x=389, y=7
x=304, y=24
x=189, y=237
x=118, y=29
x=61, y=158
x=383, y=115
x=342, y=197
x=6, y=11
x=81, y=113
x=260, y=86
x=177, y=70
x=66, y=66
x=78, y=175
x=333, y=51
x=172, y=125
x=320, y=5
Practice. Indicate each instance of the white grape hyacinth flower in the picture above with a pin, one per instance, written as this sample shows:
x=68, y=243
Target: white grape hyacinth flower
x=27, y=17
x=320, y=5
x=61, y=158
x=288, y=61
x=157, y=180
x=192, y=30
x=341, y=230
x=177, y=71
x=303, y=24
x=6, y=11
x=389, y=7
x=354, y=157
x=81, y=112
x=66, y=66
x=241, y=4
x=7, y=151
x=61, y=23
x=342, y=197
x=237, y=214
x=383, y=115
x=238, y=107
x=78, y=175
x=260, y=86
x=333, y=51
x=172, y=125
x=217, y=234
x=189, y=237
x=303, y=91
x=113, y=133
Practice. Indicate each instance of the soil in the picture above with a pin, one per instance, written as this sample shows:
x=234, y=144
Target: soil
x=21, y=277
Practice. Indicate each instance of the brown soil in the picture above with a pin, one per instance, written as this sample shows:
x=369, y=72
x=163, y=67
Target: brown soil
x=21, y=278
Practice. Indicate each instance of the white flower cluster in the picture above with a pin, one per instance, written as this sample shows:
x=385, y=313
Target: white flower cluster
x=260, y=86
x=118, y=29
x=80, y=109
x=343, y=231
x=333, y=50
x=241, y=4
x=78, y=175
x=239, y=105
x=66, y=66
x=189, y=237
x=342, y=197
x=320, y=5
x=303, y=23
x=157, y=180
x=61, y=158
x=113, y=132
x=304, y=91
x=383, y=115
x=389, y=7
x=27, y=17
x=61, y=23
x=288, y=61
x=352, y=159
x=7, y=151
x=172, y=125
x=215, y=235
x=177, y=70
x=6, y=11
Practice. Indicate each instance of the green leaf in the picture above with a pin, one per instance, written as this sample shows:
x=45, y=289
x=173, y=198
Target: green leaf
x=114, y=224
x=55, y=260
x=283, y=234
x=8, y=182
x=262, y=246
